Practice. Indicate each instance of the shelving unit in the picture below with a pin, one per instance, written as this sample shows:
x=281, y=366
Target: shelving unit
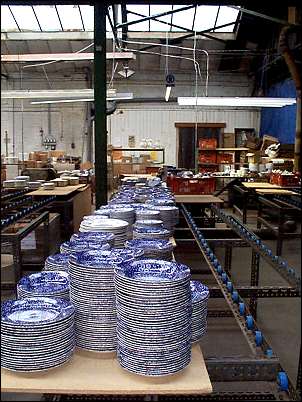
x=233, y=150
x=133, y=166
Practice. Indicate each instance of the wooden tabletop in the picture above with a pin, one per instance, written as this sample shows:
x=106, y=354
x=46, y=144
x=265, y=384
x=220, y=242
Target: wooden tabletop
x=275, y=191
x=99, y=373
x=260, y=185
x=197, y=199
x=58, y=190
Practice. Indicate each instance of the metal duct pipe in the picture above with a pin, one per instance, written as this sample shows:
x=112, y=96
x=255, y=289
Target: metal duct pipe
x=295, y=73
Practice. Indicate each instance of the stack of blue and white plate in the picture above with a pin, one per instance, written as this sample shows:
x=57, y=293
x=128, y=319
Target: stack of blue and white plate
x=154, y=308
x=150, y=232
x=123, y=212
x=57, y=262
x=126, y=253
x=146, y=213
x=36, y=333
x=116, y=226
x=74, y=246
x=161, y=201
x=158, y=249
x=95, y=237
x=168, y=214
x=44, y=284
x=150, y=222
x=200, y=295
x=103, y=211
x=93, y=295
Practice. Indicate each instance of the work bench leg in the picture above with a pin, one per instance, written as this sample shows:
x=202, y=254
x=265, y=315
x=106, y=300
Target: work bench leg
x=46, y=238
x=254, y=282
x=228, y=259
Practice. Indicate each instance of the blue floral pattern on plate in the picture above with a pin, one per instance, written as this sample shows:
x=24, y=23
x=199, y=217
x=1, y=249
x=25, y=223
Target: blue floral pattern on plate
x=199, y=291
x=45, y=282
x=35, y=311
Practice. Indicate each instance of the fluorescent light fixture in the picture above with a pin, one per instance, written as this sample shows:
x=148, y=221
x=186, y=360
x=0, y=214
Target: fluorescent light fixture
x=126, y=72
x=168, y=91
x=118, y=96
x=236, y=101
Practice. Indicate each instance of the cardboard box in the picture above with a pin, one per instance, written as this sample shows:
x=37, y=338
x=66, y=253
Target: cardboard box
x=41, y=164
x=228, y=140
x=31, y=164
x=253, y=157
x=145, y=158
x=56, y=154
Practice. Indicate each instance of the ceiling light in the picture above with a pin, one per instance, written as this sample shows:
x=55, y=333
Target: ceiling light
x=126, y=72
x=235, y=101
x=121, y=96
x=168, y=91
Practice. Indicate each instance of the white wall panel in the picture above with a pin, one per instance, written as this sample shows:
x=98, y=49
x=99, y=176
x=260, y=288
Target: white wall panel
x=158, y=123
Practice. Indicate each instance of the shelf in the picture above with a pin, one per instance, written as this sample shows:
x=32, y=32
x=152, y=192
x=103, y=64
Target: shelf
x=138, y=163
x=232, y=163
x=136, y=149
x=224, y=149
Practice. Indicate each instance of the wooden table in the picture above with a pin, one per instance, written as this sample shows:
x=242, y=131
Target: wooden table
x=58, y=190
x=253, y=185
x=275, y=191
x=72, y=202
x=99, y=373
x=197, y=199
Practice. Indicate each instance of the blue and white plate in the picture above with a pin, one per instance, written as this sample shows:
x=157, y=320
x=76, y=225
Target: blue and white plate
x=36, y=333
x=57, y=262
x=154, y=308
x=93, y=294
x=149, y=232
x=156, y=249
x=45, y=284
x=95, y=237
x=200, y=295
x=79, y=245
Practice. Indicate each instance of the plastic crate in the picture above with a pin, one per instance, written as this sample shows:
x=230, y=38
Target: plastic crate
x=181, y=185
x=207, y=157
x=285, y=180
x=207, y=143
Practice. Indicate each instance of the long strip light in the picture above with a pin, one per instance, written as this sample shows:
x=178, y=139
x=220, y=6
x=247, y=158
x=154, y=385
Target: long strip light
x=235, y=101
x=125, y=96
x=168, y=91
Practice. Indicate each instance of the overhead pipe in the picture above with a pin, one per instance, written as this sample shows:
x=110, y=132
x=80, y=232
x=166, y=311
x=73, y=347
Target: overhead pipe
x=295, y=73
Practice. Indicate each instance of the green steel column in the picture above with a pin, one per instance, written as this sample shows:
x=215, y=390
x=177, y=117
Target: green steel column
x=100, y=128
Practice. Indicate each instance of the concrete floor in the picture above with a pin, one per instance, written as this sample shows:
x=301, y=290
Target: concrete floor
x=279, y=319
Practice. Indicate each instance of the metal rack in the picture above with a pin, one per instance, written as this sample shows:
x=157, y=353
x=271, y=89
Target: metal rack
x=264, y=364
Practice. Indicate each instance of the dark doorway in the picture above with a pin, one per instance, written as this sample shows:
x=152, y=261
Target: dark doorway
x=188, y=145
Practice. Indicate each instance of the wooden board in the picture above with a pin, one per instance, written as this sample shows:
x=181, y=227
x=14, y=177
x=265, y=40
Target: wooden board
x=81, y=206
x=96, y=373
x=274, y=191
x=260, y=185
x=197, y=199
x=58, y=190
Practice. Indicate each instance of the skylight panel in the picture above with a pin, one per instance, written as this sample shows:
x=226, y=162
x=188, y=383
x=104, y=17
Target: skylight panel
x=25, y=18
x=205, y=17
x=157, y=9
x=7, y=20
x=183, y=19
x=88, y=17
x=140, y=9
x=48, y=18
x=70, y=18
x=225, y=16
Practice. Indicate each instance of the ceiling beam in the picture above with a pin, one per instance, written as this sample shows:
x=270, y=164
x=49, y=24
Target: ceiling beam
x=88, y=35
x=34, y=57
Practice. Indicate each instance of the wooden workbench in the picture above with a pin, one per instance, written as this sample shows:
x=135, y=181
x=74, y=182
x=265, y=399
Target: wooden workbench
x=197, y=199
x=98, y=373
x=275, y=191
x=260, y=185
x=58, y=190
